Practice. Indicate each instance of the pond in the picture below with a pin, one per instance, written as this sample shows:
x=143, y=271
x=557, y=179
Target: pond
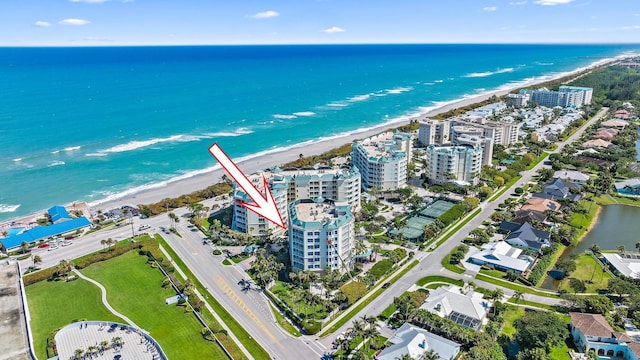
x=617, y=225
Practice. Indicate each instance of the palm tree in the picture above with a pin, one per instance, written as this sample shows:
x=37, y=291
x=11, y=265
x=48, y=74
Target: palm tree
x=430, y=355
x=24, y=247
x=638, y=246
x=78, y=353
x=103, y=242
x=405, y=357
x=595, y=249
x=64, y=267
x=103, y=344
x=518, y=296
x=343, y=347
x=36, y=260
x=621, y=249
x=92, y=349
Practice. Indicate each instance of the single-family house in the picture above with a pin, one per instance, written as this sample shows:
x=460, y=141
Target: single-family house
x=467, y=309
x=522, y=216
x=559, y=189
x=628, y=187
x=622, y=114
x=596, y=143
x=572, y=176
x=525, y=236
x=606, y=133
x=501, y=256
x=615, y=124
x=592, y=332
x=415, y=341
x=625, y=264
x=540, y=205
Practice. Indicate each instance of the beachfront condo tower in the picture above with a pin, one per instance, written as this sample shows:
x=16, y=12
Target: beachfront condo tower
x=382, y=160
x=566, y=96
x=459, y=164
x=321, y=235
x=289, y=185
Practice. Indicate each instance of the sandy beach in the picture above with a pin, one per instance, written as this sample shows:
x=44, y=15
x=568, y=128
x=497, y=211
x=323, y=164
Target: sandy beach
x=256, y=164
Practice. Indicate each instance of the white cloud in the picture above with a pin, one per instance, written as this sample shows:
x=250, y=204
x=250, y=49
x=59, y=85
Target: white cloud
x=516, y=3
x=490, y=8
x=42, y=23
x=552, y=2
x=265, y=14
x=90, y=1
x=635, y=27
x=76, y=22
x=333, y=30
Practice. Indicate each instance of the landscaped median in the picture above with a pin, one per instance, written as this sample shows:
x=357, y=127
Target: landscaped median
x=514, y=286
x=458, y=227
x=243, y=336
x=366, y=301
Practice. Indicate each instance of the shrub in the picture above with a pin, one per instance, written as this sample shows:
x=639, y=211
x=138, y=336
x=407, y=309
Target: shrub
x=453, y=214
x=354, y=291
x=312, y=327
x=380, y=268
x=217, y=252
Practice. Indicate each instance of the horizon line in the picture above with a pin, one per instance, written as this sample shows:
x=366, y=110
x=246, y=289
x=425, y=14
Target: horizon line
x=321, y=44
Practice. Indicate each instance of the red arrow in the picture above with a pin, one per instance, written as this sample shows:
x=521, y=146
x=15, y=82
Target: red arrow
x=265, y=205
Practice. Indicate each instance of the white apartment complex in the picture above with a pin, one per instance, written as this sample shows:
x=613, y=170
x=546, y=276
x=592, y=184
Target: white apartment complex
x=289, y=185
x=382, y=160
x=566, y=96
x=460, y=164
x=321, y=235
x=434, y=131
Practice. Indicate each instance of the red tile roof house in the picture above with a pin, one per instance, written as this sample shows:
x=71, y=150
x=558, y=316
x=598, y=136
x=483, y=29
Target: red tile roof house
x=592, y=332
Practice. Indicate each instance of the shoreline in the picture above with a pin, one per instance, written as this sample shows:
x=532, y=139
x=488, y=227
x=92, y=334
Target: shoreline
x=200, y=179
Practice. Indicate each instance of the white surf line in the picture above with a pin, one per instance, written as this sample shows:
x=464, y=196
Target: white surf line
x=104, y=299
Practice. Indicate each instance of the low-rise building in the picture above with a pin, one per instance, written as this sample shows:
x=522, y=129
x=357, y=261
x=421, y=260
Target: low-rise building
x=615, y=124
x=540, y=205
x=627, y=264
x=559, y=189
x=572, y=176
x=628, y=187
x=468, y=309
x=382, y=160
x=502, y=256
x=525, y=236
x=415, y=342
x=592, y=332
x=596, y=143
x=321, y=235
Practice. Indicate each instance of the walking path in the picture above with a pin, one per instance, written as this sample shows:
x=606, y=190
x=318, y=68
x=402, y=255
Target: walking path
x=104, y=298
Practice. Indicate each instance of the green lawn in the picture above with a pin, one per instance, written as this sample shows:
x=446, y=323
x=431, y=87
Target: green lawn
x=605, y=199
x=54, y=304
x=284, y=323
x=514, y=286
x=510, y=315
x=134, y=289
x=241, y=333
x=588, y=270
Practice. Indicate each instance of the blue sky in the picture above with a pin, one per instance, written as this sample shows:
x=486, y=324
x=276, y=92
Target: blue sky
x=183, y=22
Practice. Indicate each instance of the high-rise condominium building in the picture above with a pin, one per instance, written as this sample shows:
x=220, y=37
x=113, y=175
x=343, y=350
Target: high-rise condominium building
x=382, y=160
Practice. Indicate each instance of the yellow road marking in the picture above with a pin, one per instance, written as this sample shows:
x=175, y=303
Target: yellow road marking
x=232, y=294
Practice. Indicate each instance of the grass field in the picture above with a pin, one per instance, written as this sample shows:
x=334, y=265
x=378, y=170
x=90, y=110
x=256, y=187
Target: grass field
x=134, y=289
x=510, y=315
x=589, y=271
x=54, y=304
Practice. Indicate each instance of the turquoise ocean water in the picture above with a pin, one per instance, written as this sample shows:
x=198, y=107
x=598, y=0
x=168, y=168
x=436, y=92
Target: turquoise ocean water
x=89, y=123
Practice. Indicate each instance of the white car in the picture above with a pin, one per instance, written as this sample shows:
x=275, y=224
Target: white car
x=51, y=248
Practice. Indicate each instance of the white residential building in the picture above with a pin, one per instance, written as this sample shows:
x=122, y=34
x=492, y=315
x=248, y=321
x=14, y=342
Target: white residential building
x=468, y=309
x=501, y=256
x=321, y=235
x=567, y=96
x=288, y=185
x=503, y=133
x=453, y=163
x=382, y=160
x=434, y=132
x=592, y=332
x=517, y=100
x=415, y=342
x=485, y=143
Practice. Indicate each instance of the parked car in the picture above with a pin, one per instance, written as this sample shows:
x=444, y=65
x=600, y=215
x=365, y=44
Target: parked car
x=386, y=285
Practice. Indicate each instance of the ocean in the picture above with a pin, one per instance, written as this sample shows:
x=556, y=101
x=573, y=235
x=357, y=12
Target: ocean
x=89, y=123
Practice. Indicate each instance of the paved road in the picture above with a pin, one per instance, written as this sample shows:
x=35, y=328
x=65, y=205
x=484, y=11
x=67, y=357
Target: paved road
x=430, y=265
x=247, y=304
x=250, y=307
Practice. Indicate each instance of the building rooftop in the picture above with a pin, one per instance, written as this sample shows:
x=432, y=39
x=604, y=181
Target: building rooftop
x=13, y=328
x=626, y=264
x=384, y=145
x=591, y=324
x=540, y=204
x=467, y=309
x=319, y=213
x=415, y=341
x=502, y=254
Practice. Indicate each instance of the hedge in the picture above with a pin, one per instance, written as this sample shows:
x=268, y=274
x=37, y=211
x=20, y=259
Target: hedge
x=540, y=270
x=453, y=214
